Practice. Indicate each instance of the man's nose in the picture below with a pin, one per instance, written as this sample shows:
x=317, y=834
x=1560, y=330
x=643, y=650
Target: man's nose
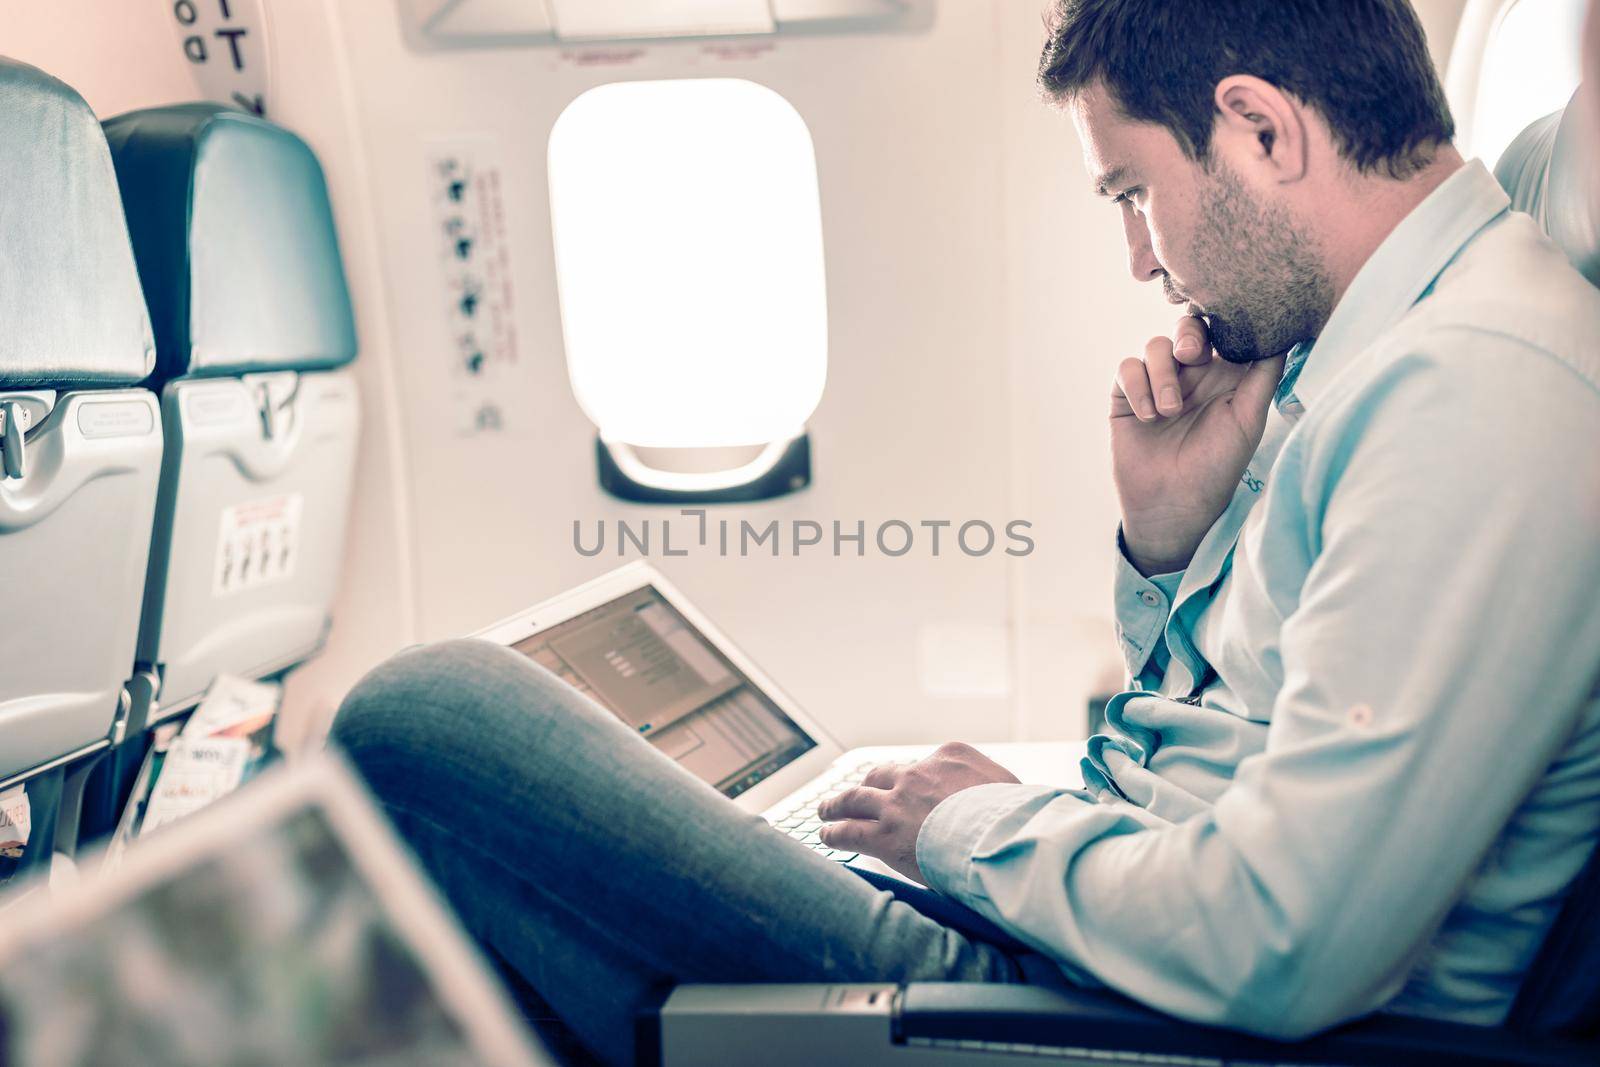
x=1142, y=259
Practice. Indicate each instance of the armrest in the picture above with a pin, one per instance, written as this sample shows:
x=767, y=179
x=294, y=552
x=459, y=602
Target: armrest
x=941, y=1013
x=982, y=1025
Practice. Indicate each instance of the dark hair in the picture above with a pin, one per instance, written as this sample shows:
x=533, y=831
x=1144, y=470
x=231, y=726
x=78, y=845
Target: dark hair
x=1362, y=64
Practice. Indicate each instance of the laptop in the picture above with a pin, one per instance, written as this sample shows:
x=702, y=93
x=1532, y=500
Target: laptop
x=281, y=925
x=638, y=648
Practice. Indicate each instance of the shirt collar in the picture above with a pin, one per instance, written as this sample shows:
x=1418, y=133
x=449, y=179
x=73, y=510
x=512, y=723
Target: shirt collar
x=1398, y=274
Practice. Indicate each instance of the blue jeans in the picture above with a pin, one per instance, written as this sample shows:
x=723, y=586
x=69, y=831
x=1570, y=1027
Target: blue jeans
x=596, y=870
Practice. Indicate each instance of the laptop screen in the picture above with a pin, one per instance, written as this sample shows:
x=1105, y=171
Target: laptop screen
x=644, y=662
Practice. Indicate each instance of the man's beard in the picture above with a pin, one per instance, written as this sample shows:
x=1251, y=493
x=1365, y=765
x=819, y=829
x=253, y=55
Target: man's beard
x=1272, y=292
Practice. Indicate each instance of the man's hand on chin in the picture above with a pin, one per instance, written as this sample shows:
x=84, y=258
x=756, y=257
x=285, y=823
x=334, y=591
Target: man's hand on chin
x=884, y=814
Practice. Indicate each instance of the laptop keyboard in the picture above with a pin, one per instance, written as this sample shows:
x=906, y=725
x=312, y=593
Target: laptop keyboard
x=796, y=815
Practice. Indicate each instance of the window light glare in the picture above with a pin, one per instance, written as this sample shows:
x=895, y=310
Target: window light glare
x=688, y=245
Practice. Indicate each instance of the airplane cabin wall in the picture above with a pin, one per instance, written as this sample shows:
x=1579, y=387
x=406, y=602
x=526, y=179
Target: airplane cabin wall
x=912, y=424
x=978, y=304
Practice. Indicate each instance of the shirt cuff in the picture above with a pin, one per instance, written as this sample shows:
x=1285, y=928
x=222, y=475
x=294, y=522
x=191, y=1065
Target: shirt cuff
x=956, y=827
x=1142, y=607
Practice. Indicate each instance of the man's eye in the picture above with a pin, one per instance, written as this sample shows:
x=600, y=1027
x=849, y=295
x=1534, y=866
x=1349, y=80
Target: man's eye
x=1128, y=197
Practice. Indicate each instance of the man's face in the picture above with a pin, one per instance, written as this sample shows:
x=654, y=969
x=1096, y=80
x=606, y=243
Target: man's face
x=1221, y=248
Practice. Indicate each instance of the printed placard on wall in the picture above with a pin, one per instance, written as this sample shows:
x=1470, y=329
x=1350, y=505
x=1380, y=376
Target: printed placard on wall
x=225, y=44
x=258, y=544
x=467, y=198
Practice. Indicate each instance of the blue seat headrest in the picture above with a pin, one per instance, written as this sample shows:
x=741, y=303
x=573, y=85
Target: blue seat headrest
x=234, y=233
x=71, y=312
x=1548, y=173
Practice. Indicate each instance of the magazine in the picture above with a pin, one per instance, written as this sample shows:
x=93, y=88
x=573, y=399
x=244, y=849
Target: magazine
x=226, y=741
x=16, y=823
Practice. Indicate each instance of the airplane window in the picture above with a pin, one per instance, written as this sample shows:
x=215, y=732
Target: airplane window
x=688, y=246
x=1530, y=68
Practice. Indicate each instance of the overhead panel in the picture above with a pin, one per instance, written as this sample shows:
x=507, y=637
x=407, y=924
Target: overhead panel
x=486, y=21
x=480, y=23
x=610, y=20
x=807, y=10
x=484, y=17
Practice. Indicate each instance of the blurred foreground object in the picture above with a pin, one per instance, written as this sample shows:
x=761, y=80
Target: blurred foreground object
x=282, y=925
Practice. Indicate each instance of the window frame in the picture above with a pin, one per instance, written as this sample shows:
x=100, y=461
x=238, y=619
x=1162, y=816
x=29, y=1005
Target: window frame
x=778, y=466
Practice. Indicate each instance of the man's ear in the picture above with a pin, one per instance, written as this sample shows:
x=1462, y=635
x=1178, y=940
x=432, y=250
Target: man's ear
x=1261, y=127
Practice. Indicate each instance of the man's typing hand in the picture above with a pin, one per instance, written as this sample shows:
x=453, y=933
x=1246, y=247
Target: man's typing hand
x=884, y=814
x=1184, y=423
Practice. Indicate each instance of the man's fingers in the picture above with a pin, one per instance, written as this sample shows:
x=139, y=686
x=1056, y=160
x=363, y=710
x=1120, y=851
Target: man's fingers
x=1152, y=387
x=1191, y=343
x=1135, y=386
x=1254, y=394
x=856, y=835
x=857, y=802
x=1120, y=408
x=883, y=776
x=1162, y=371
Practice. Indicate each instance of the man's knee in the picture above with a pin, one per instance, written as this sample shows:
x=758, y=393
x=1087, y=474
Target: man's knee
x=449, y=703
x=387, y=700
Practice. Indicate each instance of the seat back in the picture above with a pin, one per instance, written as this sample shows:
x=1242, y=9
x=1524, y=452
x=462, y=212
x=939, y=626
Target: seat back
x=81, y=448
x=1548, y=173
x=235, y=240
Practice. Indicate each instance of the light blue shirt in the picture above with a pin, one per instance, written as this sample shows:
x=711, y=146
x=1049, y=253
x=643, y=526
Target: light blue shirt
x=1387, y=767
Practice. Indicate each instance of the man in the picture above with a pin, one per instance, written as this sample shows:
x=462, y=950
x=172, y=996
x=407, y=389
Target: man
x=1360, y=491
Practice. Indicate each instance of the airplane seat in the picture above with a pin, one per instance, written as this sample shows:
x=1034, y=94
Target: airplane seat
x=80, y=440
x=1555, y=1018
x=234, y=235
x=1548, y=173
